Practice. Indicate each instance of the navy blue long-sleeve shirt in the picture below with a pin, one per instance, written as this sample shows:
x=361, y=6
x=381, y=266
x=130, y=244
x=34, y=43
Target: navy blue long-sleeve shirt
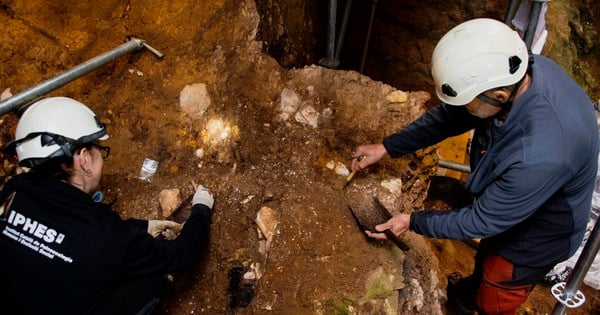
x=533, y=185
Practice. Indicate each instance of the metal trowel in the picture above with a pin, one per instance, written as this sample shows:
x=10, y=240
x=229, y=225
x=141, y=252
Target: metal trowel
x=367, y=217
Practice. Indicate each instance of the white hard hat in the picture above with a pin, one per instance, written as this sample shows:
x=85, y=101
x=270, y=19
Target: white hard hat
x=476, y=56
x=54, y=127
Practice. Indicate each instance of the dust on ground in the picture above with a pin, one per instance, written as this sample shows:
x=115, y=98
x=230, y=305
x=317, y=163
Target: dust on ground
x=319, y=262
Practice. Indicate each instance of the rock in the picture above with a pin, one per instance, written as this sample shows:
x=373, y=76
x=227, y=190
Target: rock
x=267, y=222
x=393, y=185
x=194, y=100
x=417, y=297
x=379, y=284
x=169, y=200
x=397, y=97
x=330, y=165
x=341, y=169
x=308, y=116
x=289, y=103
x=6, y=94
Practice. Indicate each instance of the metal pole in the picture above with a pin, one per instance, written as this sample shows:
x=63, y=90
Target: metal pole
x=70, y=75
x=340, y=42
x=328, y=61
x=534, y=14
x=368, y=39
x=455, y=166
x=581, y=268
x=510, y=12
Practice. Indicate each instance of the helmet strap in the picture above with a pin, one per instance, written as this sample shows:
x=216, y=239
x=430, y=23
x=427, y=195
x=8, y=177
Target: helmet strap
x=484, y=98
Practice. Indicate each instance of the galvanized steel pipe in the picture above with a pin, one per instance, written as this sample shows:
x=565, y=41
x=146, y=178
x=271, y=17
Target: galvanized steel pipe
x=35, y=92
x=368, y=39
x=455, y=166
x=340, y=42
x=534, y=15
x=510, y=12
x=329, y=54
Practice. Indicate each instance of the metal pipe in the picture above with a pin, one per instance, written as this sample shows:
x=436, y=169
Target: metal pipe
x=455, y=166
x=510, y=12
x=534, y=15
x=344, y=26
x=330, y=50
x=581, y=268
x=53, y=83
x=368, y=39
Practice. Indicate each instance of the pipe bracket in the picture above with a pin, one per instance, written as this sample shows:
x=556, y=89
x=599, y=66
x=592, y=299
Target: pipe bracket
x=568, y=299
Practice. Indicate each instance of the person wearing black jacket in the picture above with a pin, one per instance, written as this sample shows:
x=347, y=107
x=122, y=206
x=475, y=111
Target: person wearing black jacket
x=63, y=252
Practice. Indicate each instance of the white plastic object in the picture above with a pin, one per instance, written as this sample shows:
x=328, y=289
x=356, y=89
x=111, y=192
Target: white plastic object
x=148, y=170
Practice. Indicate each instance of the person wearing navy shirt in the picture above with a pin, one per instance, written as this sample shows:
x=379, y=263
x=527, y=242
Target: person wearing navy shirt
x=533, y=160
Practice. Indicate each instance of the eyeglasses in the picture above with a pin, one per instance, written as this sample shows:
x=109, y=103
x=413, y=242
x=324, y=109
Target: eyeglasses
x=104, y=150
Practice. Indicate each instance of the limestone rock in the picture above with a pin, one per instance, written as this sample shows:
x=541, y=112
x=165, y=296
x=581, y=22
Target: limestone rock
x=267, y=222
x=194, y=100
x=397, y=97
x=169, y=200
x=308, y=116
x=6, y=94
x=290, y=101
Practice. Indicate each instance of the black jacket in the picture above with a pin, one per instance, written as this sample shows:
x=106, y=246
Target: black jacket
x=63, y=253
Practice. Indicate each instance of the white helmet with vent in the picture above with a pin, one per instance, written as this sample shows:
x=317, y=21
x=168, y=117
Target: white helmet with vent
x=54, y=127
x=476, y=56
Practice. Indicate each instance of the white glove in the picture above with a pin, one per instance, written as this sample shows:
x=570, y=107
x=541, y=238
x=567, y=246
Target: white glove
x=203, y=196
x=168, y=229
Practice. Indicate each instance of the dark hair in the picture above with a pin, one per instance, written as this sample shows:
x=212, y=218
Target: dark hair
x=60, y=167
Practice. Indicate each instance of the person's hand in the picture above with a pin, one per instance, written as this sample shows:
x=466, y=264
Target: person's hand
x=168, y=229
x=366, y=155
x=203, y=196
x=398, y=224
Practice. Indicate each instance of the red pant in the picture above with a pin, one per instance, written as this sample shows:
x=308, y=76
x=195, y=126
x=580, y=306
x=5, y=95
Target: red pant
x=494, y=296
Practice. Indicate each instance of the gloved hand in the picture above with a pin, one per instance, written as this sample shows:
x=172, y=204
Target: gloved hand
x=168, y=229
x=203, y=196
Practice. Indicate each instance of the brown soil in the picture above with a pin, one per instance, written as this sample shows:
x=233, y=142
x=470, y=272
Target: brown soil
x=319, y=261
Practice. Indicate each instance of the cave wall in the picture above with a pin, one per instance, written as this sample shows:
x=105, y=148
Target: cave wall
x=404, y=34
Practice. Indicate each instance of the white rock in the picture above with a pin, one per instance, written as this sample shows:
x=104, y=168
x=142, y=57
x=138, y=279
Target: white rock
x=248, y=199
x=169, y=200
x=194, y=100
x=341, y=169
x=331, y=164
x=5, y=94
x=308, y=116
x=393, y=185
x=290, y=101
